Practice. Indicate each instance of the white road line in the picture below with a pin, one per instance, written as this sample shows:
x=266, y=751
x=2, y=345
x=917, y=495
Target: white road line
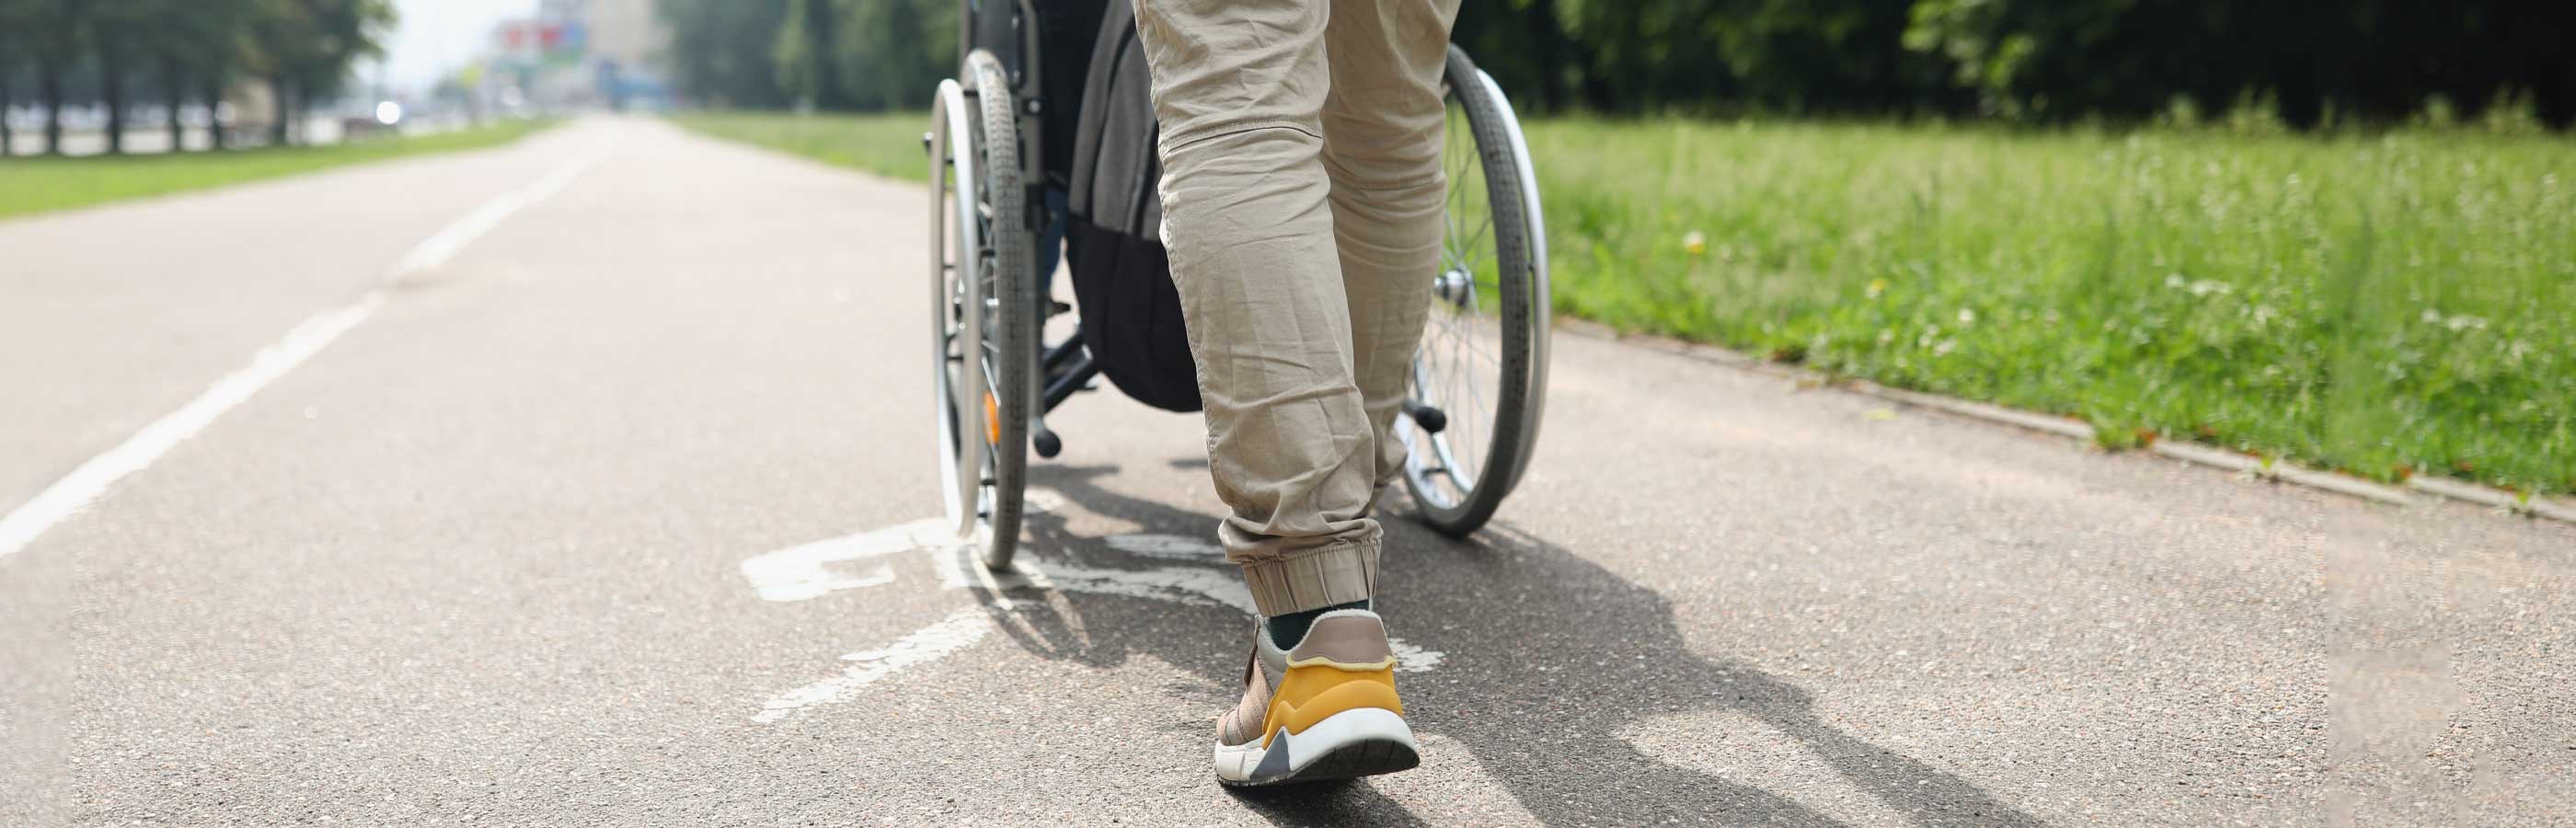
x=960, y=630
x=67, y=496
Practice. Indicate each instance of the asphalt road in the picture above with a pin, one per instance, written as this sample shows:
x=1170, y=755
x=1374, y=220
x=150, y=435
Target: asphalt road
x=604, y=516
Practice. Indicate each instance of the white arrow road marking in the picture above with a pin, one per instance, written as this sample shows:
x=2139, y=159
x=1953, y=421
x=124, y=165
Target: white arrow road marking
x=958, y=631
x=805, y=572
x=798, y=573
x=1412, y=659
x=1165, y=546
x=1195, y=585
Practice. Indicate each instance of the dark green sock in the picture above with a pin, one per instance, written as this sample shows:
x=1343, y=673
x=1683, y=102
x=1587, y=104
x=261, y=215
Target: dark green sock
x=1287, y=630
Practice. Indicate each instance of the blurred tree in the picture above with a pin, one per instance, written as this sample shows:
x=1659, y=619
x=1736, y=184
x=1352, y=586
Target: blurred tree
x=720, y=50
x=94, y=48
x=1549, y=51
x=281, y=34
x=350, y=30
x=891, y=53
x=2375, y=59
x=2023, y=59
x=305, y=47
x=115, y=28
x=54, y=34
x=804, y=55
x=224, y=55
x=1523, y=44
x=1832, y=55
x=17, y=23
x=196, y=45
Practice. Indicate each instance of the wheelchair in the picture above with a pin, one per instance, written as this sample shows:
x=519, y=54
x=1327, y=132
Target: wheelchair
x=1471, y=421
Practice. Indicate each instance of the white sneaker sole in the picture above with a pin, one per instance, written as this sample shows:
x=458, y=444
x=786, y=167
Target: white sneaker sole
x=1361, y=742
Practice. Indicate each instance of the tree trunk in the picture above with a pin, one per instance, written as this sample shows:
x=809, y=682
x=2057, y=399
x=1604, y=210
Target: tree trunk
x=215, y=110
x=281, y=109
x=111, y=88
x=1548, y=35
x=49, y=85
x=174, y=89
x=8, y=138
x=1595, y=83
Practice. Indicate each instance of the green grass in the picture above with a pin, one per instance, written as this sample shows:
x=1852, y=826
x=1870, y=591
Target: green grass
x=2379, y=304
x=36, y=185
x=2384, y=304
x=887, y=145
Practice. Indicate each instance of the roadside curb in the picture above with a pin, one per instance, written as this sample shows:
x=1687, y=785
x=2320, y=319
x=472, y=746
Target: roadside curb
x=2278, y=471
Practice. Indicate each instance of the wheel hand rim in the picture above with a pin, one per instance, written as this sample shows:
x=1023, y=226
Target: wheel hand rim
x=958, y=274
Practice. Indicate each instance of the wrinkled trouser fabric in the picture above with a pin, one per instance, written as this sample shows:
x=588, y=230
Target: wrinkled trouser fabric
x=1302, y=202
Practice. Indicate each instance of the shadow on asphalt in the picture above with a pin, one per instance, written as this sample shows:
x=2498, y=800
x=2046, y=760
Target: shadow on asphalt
x=1549, y=660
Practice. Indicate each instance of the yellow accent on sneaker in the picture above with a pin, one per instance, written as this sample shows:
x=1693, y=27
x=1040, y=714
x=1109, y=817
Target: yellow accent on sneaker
x=1316, y=688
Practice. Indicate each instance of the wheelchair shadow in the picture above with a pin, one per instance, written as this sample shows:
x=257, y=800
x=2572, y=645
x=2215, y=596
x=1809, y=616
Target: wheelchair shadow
x=1549, y=661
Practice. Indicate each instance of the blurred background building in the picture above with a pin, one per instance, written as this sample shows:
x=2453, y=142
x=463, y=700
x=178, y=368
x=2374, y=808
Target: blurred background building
x=577, y=54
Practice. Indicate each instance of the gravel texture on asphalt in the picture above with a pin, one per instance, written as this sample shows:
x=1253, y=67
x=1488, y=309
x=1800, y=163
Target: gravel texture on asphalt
x=482, y=561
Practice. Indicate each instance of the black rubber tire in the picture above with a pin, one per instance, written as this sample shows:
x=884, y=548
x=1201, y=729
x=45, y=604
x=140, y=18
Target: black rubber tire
x=1011, y=327
x=1517, y=281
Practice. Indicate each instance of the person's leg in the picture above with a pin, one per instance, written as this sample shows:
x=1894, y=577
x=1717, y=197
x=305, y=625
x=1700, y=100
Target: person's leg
x=1383, y=138
x=1239, y=87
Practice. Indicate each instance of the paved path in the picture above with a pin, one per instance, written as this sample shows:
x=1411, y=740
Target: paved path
x=603, y=516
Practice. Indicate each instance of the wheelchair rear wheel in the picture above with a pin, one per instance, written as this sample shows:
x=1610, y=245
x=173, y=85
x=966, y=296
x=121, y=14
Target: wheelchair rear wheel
x=1482, y=364
x=983, y=306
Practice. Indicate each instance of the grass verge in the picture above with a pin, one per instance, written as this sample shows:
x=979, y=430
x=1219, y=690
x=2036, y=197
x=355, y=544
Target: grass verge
x=37, y=185
x=2385, y=304
x=885, y=144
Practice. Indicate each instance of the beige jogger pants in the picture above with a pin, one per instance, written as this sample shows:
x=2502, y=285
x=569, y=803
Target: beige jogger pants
x=1302, y=204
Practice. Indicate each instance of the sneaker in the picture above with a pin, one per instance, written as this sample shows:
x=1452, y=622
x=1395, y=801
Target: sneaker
x=1325, y=709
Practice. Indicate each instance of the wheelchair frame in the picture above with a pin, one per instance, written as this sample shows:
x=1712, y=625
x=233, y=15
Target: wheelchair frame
x=1014, y=42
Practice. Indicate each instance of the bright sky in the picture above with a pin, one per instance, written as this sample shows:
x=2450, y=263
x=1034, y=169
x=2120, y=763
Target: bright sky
x=435, y=37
